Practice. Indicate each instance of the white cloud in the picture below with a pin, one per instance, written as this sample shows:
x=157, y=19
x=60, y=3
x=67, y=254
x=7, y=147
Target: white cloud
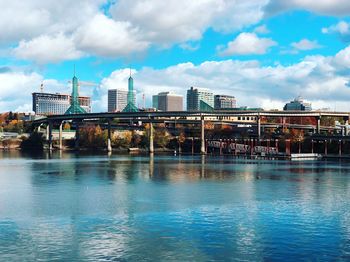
x=319, y=79
x=119, y=29
x=342, y=29
x=178, y=21
x=105, y=37
x=342, y=59
x=306, y=44
x=262, y=29
x=167, y=21
x=324, y=81
x=17, y=88
x=48, y=49
x=326, y=7
x=248, y=44
x=235, y=15
x=23, y=20
x=122, y=28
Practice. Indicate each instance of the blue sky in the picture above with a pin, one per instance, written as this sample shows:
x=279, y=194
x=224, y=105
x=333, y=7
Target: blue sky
x=265, y=52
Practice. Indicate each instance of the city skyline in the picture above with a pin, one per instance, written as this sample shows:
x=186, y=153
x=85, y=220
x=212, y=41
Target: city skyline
x=264, y=53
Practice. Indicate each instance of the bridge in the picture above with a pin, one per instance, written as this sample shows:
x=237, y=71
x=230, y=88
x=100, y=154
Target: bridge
x=190, y=117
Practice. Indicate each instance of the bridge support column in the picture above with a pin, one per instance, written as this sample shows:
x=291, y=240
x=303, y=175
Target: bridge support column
x=50, y=135
x=318, y=125
x=47, y=132
x=192, y=145
x=109, y=139
x=325, y=147
x=288, y=147
x=346, y=127
x=77, y=135
x=220, y=147
x=312, y=146
x=60, y=136
x=259, y=127
x=203, y=151
x=151, y=143
x=340, y=147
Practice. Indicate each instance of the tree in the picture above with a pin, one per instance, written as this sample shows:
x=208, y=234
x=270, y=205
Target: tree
x=181, y=139
x=93, y=137
x=161, y=138
x=66, y=126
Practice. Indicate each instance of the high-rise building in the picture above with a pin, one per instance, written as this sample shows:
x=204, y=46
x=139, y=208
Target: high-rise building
x=199, y=99
x=131, y=101
x=75, y=106
x=57, y=104
x=118, y=99
x=298, y=104
x=168, y=101
x=224, y=102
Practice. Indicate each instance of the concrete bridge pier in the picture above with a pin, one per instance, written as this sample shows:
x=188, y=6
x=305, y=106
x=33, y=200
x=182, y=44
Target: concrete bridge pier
x=203, y=151
x=318, y=125
x=109, y=139
x=60, y=146
x=47, y=132
x=151, y=143
x=346, y=127
x=50, y=135
x=258, y=120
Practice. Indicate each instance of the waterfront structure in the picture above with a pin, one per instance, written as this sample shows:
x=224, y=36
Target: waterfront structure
x=199, y=99
x=168, y=101
x=131, y=107
x=57, y=104
x=75, y=107
x=118, y=99
x=297, y=104
x=224, y=102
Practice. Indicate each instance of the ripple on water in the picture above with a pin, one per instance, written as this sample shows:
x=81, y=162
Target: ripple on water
x=167, y=208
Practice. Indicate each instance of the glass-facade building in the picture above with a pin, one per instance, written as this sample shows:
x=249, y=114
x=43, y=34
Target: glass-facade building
x=297, y=104
x=57, y=104
x=224, y=102
x=199, y=99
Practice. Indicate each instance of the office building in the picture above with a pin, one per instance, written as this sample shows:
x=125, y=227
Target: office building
x=168, y=101
x=57, y=104
x=118, y=99
x=297, y=104
x=224, y=102
x=200, y=99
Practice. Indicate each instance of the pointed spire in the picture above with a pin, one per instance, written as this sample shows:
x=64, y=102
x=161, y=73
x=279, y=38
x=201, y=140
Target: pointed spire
x=74, y=69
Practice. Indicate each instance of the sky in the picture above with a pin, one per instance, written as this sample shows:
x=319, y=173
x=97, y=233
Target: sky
x=263, y=52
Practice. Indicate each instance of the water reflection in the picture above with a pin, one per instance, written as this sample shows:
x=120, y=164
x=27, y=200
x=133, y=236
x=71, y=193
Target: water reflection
x=83, y=207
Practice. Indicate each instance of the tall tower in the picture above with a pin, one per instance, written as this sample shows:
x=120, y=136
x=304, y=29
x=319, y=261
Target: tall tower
x=75, y=107
x=130, y=107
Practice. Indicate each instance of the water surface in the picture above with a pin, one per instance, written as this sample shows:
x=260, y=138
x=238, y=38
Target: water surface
x=69, y=207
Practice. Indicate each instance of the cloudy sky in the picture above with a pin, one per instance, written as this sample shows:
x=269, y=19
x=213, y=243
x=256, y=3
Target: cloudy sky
x=264, y=52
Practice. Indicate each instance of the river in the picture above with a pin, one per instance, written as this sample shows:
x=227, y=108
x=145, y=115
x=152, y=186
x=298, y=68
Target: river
x=81, y=207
